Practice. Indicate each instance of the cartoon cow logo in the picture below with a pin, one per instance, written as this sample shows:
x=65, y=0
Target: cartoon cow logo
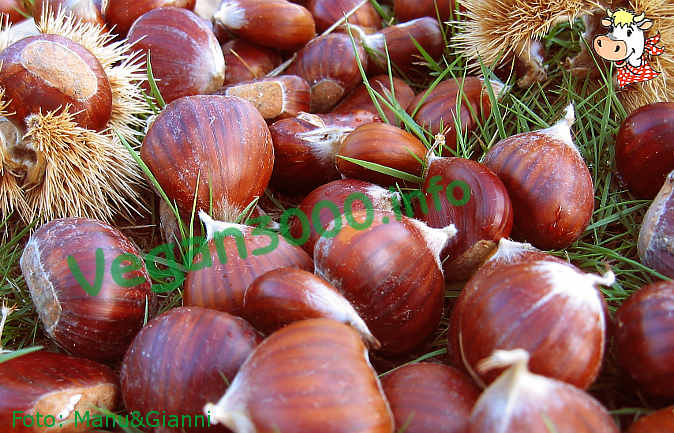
x=626, y=45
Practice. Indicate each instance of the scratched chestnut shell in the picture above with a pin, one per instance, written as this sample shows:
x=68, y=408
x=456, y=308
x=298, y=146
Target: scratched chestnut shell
x=311, y=376
x=283, y=296
x=222, y=141
x=390, y=271
x=221, y=286
x=274, y=97
x=336, y=193
x=430, y=398
x=329, y=64
x=183, y=359
x=53, y=384
x=552, y=310
x=46, y=72
x=656, y=236
x=484, y=219
x=548, y=183
x=645, y=148
x=381, y=144
x=645, y=338
x=83, y=10
x=123, y=13
x=328, y=12
x=406, y=10
x=245, y=61
x=100, y=325
x=656, y=422
x=163, y=32
x=359, y=98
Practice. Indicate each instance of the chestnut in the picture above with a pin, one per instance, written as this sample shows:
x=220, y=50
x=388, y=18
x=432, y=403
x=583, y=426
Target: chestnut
x=656, y=236
x=393, y=277
x=274, y=97
x=330, y=65
x=644, y=149
x=328, y=12
x=51, y=389
x=271, y=23
x=225, y=153
x=200, y=67
x=407, y=10
x=381, y=144
x=305, y=147
x=430, y=398
x=283, y=296
x=50, y=72
x=551, y=309
x=161, y=373
x=359, y=98
x=246, y=61
x=548, y=182
x=313, y=375
x=475, y=201
x=11, y=9
x=656, y=422
x=644, y=338
x=89, y=286
x=84, y=10
x=122, y=13
x=521, y=401
x=234, y=256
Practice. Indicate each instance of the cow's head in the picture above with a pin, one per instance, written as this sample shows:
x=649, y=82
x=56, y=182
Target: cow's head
x=625, y=37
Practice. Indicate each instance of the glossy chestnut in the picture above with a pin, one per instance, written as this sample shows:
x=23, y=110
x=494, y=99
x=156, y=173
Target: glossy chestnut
x=406, y=10
x=359, y=98
x=328, y=12
x=123, y=13
x=656, y=236
x=84, y=10
x=245, y=61
x=656, y=422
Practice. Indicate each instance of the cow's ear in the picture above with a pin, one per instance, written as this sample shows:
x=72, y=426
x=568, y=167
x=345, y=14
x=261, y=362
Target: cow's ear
x=606, y=22
x=645, y=24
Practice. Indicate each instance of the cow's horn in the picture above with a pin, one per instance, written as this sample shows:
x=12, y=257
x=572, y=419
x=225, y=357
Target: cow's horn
x=609, y=12
x=640, y=18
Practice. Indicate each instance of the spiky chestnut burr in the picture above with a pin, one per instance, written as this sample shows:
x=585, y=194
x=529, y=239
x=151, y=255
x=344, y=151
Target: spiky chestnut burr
x=58, y=166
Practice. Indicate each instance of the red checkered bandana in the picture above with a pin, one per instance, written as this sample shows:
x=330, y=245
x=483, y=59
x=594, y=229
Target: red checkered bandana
x=628, y=74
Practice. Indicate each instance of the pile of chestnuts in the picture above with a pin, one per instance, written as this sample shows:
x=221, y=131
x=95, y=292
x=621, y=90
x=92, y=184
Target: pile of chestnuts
x=306, y=233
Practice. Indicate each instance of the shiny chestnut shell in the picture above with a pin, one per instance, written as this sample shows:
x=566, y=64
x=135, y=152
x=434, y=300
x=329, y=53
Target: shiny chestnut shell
x=11, y=9
x=645, y=338
x=200, y=67
x=644, y=149
x=328, y=12
x=83, y=10
x=359, y=98
x=657, y=422
x=123, y=13
x=406, y=10
x=47, y=72
x=245, y=61
x=656, y=237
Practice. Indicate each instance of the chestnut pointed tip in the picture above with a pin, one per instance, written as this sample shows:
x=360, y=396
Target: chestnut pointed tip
x=504, y=358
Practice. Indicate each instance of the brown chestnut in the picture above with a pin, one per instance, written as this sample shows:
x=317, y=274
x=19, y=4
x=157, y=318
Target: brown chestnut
x=89, y=285
x=246, y=61
x=161, y=373
x=328, y=12
x=84, y=10
x=58, y=388
x=122, y=13
x=313, y=375
x=644, y=149
x=283, y=296
x=270, y=23
x=430, y=398
x=330, y=66
x=656, y=237
x=381, y=144
x=359, y=98
x=645, y=338
x=274, y=97
x=200, y=67
x=406, y=10
x=657, y=422
x=11, y=9
x=548, y=183
x=47, y=72
x=215, y=147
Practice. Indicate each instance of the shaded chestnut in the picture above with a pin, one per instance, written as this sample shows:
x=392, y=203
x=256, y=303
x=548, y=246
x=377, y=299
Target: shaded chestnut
x=225, y=153
x=89, y=285
x=305, y=147
x=552, y=310
x=430, y=398
x=359, y=194
x=645, y=338
x=283, y=296
x=330, y=66
x=84, y=10
x=398, y=41
x=319, y=366
x=381, y=144
x=393, y=278
x=548, y=183
x=274, y=97
x=644, y=149
x=57, y=387
x=123, y=13
x=520, y=401
x=656, y=422
x=328, y=12
x=656, y=236
x=359, y=98
x=161, y=373
x=246, y=61
x=469, y=195
x=406, y=10
x=270, y=23
x=200, y=67
x=11, y=8
x=234, y=256
x=48, y=72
